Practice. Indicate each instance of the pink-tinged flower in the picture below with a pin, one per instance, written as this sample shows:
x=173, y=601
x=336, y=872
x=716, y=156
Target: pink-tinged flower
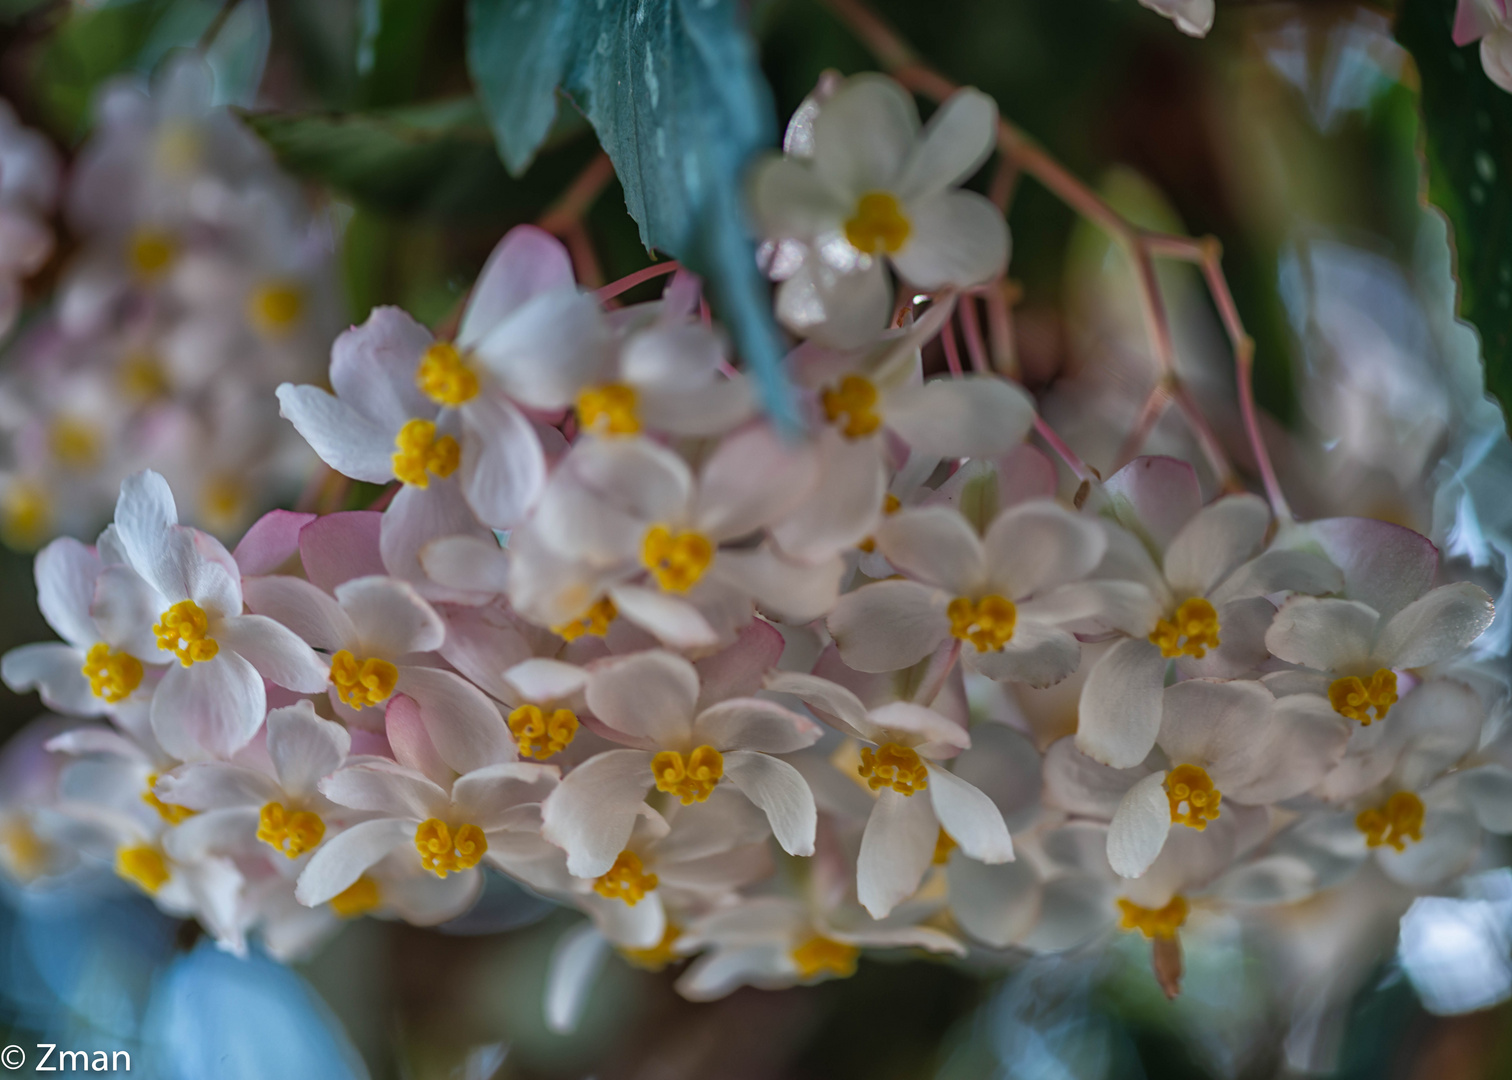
x=1490, y=23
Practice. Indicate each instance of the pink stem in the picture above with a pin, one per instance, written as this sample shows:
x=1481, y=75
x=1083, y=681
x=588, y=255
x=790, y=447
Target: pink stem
x=1064, y=452
x=952, y=352
x=630, y=281
x=971, y=330
x=1149, y=415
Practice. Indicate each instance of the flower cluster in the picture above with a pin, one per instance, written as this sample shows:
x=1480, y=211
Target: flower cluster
x=762, y=698
x=195, y=282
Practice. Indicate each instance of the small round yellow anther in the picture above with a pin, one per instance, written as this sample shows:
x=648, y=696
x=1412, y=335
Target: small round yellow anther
x=1354, y=697
x=361, y=683
x=444, y=852
x=172, y=813
x=595, y=621
x=358, y=898
x=820, y=955
x=893, y=765
x=540, y=735
x=144, y=866
x=1160, y=922
x=292, y=832
x=1395, y=823
x=608, y=410
x=151, y=253
x=74, y=444
x=112, y=675
x=1190, y=786
x=1191, y=631
x=276, y=307
x=626, y=880
x=182, y=630
x=676, y=560
x=987, y=623
x=854, y=400
x=420, y=453
x=444, y=377
x=878, y=224
x=691, y=780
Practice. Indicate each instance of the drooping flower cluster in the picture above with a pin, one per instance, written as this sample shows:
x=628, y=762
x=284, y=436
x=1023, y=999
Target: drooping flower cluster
x=616, y=637
x=196, y=281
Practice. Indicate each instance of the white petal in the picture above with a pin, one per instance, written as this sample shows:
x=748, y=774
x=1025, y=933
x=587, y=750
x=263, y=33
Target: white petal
x=1323, y=634
x=957, y=238
x=978, y=416
x=1118, y=717
x=1281, y=570
x=503, y=462
x=527, y=262
x=649, y=695
x=278, y=654
x=1039, y=545
x=673, y=622
x=54, y=669
x=341, y=860
x=970, y=818
x=216, y=785
x=125, y=608
x=65, y=572
x=889, y=625
x=1210, y=546
x=863, y=134
x=467, y=562
x=1084, y=787
x=931, y=732
x=896, y=849
x=304, y=748
x=489, y=797
x=411, y=744
x=387, y=788
x=937, y=546
x=541, y=680
x=994, y=904
x=826, y=697
x=953, y=145
x=1154, y=497
x=1488, y=791
x=790, y=200
x=416, y=518
x=391, y=618
x=844, y=504
x=1436, y=626
x=305, y=609
x=210, y=709
x=462, y=722
x=778, y=789
x=1139, y=827
x=1074, y=909
x=751, y=480
x=792, y=591
x=344, y=439
x=547, y=349
x=592, y=812
x=576, y=960
x=1038, y=655
x=373, y=370
x=708, y=410
x=754, y=724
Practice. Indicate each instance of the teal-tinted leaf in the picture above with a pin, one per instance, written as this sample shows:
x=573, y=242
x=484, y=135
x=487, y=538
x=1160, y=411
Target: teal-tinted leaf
x=392, y=39
x=673, y=89
x=1467, y=122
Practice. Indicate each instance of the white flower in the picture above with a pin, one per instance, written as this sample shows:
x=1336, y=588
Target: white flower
x=1192, y=17
x=1489, y=22
x=28, y=189
x=870, y=187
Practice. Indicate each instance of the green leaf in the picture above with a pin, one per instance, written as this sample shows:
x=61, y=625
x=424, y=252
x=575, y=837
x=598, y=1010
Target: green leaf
x=1467, y=124
x=87, y=48
x=673, y=89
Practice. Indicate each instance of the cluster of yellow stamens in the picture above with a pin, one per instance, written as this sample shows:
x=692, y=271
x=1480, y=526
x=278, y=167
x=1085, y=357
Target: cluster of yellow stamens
x=292, y=832
x=25, y=516
x=626, y=880
x=358, y=898
x=172, y=813
x=878, y=224
x=1190, y=632
x=895, y=766
x=443, y=852
x=539, y=735
x=594, y=621
x=987, y=623
x=1190, y=785
x=820, y=955
x=855, y=399
x=1395, y=823
x=361, y=683
x=112, y=675
x=676, y=560
x=444, y=377
x=420, y=453
x=152, y=252
x=276, y=307
x=608, y=410
x=182, y=630
x=657, y=956
x=144, y=866
x=692, y=780
x=1354, y=697
x=73, y=442
x=1154, y=922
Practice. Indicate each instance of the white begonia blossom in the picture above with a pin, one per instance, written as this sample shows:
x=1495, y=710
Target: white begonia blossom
x=903, y=747
x=1007, y=597
x=28, y=191
x=690, y=741
x=1490, y=23
x=871, y=188
x=1209, y=576
x=211, y=703
x=1192, y=17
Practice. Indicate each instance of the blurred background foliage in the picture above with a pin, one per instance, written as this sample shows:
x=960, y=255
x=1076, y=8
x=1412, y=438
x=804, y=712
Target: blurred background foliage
x=1292, y=120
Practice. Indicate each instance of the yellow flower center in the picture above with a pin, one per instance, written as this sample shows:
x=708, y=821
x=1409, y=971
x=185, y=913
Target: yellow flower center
x=419, y=452
x=820, y=955
x=172, y=813
x=361, y=683
x=595, y=621
x=292, y=832
x=626, y=880
x=676, y=560
x=24, y=852
x=152, y=252
x=1154, y=922
x=1192, y=787
x=74, y=443
x=855, y=399
x=608, y=410
x=895, y=766
x=944, y=845
x=443, y=852
x=1190, y=632
x=112, y=675
x=358, y=898
x=276, y=307
x=142, y=865
x=657, y=956
x=692, y=780
x=988, y=623
x=890, y=506
x=539, y=735
x=142, y=376
x=1395, y=823
x=222, y=500
x=1354, y=697
x=182, y=631
x=444, y=376
x=877, y=224
x=26, y=516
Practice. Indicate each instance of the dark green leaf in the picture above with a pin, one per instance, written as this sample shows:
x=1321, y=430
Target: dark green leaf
x=1467, y=121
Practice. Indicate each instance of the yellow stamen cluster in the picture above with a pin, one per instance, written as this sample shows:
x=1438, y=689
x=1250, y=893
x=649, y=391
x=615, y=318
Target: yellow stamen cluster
x=539, y=735
x=855, y=399
x=142, y=376
x=144, y=866
x=594, y=621
x=151, y=253
x=275, y=308
x=1395, y=823
x=1190, y=785
x=443, y=852
x=361, y=683
x=893, y=765
x=1354, y=697
x=419, y=453
x=112, y=675
x=74, y=443
x=1154, y=922
x=444, y=377
x=358, y=898
x=25, y=516
x=657, y=956
x=172, y=813
x=222, y=500
x=292, y=832
x=944, y=845
x=692, y=780
x=676, y=560
x=1190, y=632
x=608, y=410
x=626, y=880
x=987, y=623
x=820, y=955
x=878, y=224
x=182, y=630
